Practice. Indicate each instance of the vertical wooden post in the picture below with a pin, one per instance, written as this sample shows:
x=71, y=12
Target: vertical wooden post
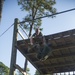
x=1, y=6
x=60, y=74
x=25, y=65
x=14, y=50
x=73, y=72
x=69, y=73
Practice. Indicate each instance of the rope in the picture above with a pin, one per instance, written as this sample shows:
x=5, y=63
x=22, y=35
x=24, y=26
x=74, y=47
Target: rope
x=6, y=30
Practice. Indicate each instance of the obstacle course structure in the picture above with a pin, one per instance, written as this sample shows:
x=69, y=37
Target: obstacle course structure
x=62, y=58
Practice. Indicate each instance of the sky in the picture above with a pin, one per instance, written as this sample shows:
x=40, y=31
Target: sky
x=11, y=10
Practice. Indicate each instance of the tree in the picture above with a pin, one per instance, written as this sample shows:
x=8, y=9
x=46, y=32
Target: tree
x=27, y=70
x=3, y=69
x=35, y=9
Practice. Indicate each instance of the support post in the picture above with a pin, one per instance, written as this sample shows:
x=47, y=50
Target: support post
x=25, y=65
x=14, y=49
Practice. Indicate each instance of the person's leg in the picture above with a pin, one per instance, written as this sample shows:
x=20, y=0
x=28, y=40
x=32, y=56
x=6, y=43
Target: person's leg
x=46, y=52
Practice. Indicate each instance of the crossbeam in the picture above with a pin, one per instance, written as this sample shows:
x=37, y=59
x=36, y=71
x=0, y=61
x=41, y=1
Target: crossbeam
x=59, y=57
x=20, y=69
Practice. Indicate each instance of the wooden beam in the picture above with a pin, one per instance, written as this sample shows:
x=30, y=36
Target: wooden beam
x=60, y=67
x=61, y=34
x=14, y=49
x=21, y=34
x=29, y=59
x=58, y=57
x=20, y=69
x=57, y=65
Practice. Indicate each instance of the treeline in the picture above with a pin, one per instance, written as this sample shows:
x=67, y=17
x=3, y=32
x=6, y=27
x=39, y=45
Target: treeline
x=4, y=70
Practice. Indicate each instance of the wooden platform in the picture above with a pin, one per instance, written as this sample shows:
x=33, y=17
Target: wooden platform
x=62, y=58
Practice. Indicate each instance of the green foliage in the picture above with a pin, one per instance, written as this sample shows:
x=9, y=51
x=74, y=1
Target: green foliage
x=37, y=73
x=36, y=9
x=27, y=71
x=3, y=69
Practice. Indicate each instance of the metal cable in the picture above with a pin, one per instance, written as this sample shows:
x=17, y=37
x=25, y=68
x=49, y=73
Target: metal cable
x=6, y=30
x=50, y=15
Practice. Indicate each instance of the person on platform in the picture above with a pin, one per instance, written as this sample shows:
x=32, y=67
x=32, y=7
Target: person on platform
x=37, y=37
x=39, y=43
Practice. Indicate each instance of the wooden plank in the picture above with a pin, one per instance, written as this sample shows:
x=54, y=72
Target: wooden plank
x=57, y=48
x=57, y=65
x=59, y=57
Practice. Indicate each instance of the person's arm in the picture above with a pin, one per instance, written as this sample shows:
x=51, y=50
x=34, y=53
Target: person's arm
x=44, y=40
x=31, y=39
x=33, y=35
x=41, y=34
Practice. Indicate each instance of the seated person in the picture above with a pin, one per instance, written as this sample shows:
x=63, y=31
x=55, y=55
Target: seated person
x=39, y=42
x=37, y=37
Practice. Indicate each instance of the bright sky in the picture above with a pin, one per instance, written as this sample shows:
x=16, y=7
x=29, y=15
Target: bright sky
x=11, y=10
